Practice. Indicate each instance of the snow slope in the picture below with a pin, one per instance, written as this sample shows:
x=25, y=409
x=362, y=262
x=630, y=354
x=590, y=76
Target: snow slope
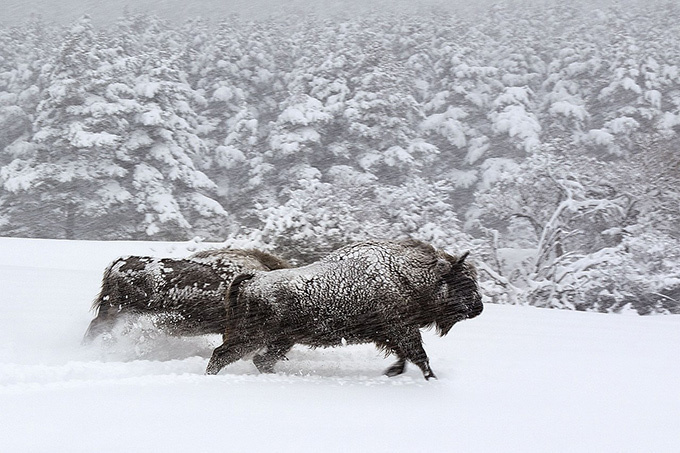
x=514, y=379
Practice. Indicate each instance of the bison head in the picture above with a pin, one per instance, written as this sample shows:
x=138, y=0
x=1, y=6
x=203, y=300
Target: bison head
x=460, y=296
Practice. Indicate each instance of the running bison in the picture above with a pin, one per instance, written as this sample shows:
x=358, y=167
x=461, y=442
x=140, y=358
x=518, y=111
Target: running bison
x=186, y=296
x=378, y=292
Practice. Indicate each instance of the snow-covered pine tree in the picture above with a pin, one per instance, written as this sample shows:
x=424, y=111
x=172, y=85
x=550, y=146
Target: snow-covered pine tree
x=164, y=147
x=294, y=142
x=21, y=78
x=381, y=113
x=164, y=154
x=57, y=178
x=114, y=152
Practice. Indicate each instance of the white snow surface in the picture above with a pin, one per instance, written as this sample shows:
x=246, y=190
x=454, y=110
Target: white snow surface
x=515, y=379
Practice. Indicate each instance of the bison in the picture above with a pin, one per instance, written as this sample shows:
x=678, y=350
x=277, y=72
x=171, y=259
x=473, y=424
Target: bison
x=184, y=295
x=379, y=292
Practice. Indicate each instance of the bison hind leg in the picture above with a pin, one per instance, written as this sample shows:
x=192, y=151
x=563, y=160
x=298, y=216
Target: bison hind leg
x=397, y=368
x=265, y=361
x=388, y=347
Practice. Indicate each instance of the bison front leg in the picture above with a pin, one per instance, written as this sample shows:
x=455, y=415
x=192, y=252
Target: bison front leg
x=408, y=345
x=397, y=368
x=226, y=354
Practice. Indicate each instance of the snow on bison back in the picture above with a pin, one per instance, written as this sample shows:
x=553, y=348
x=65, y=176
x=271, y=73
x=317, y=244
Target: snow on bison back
x=378, y=292
x=185, y=295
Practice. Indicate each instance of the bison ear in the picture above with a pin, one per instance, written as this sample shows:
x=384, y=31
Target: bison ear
x=462, y=258
x=443, y=266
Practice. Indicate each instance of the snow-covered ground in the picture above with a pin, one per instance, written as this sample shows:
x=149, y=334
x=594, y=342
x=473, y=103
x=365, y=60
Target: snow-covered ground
x=514, y=379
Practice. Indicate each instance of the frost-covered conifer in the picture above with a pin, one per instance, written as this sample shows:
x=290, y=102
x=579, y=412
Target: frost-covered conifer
x=61, y=173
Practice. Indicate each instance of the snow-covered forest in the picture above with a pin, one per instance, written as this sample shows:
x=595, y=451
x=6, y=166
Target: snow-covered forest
x=544, y=139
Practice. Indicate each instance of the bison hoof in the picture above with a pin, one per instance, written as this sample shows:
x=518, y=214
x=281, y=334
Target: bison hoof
x=396, y=369
x=430, y=375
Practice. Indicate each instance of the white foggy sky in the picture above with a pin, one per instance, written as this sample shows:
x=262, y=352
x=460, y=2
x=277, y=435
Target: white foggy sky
x=62, y=11
x=13, y=12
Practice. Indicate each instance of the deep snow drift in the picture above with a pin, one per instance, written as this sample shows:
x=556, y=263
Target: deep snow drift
x=513, y=379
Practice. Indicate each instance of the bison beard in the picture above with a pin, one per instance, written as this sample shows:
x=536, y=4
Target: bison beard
x=185, y=295
x=379, y=292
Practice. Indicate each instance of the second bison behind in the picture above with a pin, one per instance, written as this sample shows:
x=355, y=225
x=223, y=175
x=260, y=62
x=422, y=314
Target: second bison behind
x=378, y=292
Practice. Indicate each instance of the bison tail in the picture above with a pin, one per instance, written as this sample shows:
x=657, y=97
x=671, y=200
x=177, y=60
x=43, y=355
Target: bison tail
x=96, y=305
x=101, y=320
x=102, y=299
x=108, y=287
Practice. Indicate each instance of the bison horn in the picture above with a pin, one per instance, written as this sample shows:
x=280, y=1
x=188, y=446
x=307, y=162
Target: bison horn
x=462, y=258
